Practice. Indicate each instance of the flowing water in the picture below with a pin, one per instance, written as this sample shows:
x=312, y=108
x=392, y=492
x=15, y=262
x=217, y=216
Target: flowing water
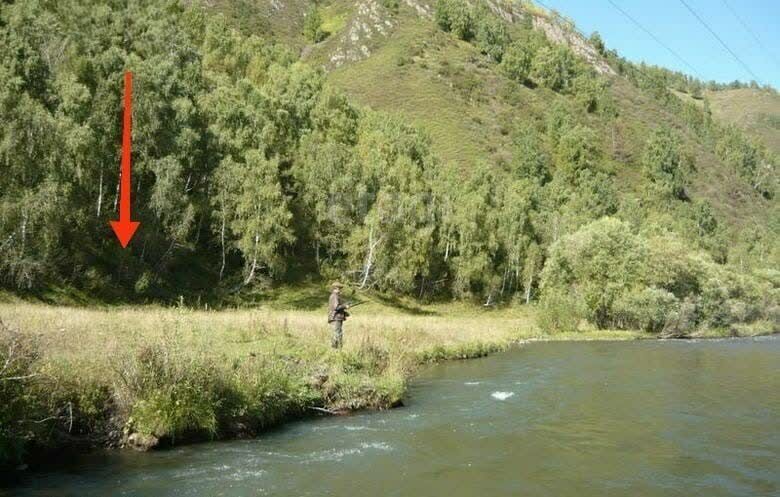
x=675, y=418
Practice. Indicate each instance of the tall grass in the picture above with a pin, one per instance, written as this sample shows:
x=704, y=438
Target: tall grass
x=160, y=375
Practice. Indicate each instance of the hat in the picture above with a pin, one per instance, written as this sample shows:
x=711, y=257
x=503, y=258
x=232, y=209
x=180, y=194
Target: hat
x=336, y=284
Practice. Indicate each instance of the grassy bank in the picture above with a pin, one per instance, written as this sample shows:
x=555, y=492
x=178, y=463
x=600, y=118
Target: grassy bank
x=145, y=376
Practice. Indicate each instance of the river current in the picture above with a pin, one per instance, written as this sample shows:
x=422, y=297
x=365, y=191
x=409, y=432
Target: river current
x=646, y=418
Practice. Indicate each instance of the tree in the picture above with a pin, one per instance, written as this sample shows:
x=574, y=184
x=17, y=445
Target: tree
x=491, y=36
x=312, y=26
x=528, y=159
x=598, y=263
x=475, y=219
x=597, y=43
x=554, y=67
x=516, y=62
x=256, y=212
x=664, y=164
x=455, y=16
x=393, y=240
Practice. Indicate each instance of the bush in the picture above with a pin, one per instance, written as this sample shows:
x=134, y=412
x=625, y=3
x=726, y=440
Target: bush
x=312, y=26
x=645, y=309
x=654, y=283
x=491, y=36
x=516, y=62
x=171, y=393
x=599, y=262
x=455, y=16
x=391, y=5
x=559, y=312
x=18, y=358
x=588, y=91
x=554, y=68
x=665, y=165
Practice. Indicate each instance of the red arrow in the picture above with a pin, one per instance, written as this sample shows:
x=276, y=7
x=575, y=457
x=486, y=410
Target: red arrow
x=125, y=228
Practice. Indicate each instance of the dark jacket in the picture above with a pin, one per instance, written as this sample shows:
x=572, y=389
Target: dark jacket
x=337, y=309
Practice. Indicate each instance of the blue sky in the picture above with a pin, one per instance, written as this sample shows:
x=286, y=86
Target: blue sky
x=673, y=24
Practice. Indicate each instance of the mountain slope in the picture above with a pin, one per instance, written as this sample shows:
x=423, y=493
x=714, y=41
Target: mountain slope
x=399, y=61
x=756, y=111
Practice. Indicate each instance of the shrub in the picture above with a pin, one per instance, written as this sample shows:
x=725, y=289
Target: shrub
x=682, y=321
x=491, y=36
x=559, y=312
x=588, y=91
x=169, y=392
x=664, y=163
x=455, y=16
x=391, y=5
x=599, y=262
x=516, y=62
x=312, y=26
x=645, y=309
x=267, y=392
x=18, y=405
x=554, y=68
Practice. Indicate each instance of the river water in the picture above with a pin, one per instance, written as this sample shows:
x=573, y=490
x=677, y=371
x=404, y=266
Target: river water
x=671, y=418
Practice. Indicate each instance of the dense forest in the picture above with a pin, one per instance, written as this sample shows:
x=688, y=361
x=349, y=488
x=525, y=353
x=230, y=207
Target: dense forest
x=251, y=170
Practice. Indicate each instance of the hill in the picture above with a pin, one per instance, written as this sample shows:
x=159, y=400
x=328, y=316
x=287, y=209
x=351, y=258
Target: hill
x=433, y=149
x=756, y=111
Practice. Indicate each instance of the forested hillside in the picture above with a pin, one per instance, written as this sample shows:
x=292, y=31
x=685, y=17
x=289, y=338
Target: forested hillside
x=482, y=150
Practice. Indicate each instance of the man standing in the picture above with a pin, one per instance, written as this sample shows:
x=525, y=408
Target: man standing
x=337, y=314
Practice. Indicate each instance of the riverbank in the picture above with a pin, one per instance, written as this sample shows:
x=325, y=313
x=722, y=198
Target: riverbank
x=152, y=376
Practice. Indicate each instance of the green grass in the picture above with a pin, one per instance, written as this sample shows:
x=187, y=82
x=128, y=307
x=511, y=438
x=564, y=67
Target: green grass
x=119, y=374
x=756, y=111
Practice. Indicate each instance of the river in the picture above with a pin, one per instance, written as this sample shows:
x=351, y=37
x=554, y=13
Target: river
x=647, y=418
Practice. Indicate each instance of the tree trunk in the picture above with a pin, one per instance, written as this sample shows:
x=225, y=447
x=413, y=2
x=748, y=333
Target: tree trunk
x=222, y=240
x=369, y=258
x=252, y=270
x=100, y=195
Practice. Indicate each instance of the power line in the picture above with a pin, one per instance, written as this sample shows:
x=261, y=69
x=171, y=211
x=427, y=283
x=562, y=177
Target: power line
x=752, y=33
x=654, y=37
x=636, y=67
x=736, y=57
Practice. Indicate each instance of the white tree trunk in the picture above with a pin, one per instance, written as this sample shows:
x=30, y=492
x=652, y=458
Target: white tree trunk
x=100, y=195
x=252, y=270
x=369, y=258
x=222, y=240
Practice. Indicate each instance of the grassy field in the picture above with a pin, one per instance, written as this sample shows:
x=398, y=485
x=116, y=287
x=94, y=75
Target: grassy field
x=148, y=375
x=756, y=111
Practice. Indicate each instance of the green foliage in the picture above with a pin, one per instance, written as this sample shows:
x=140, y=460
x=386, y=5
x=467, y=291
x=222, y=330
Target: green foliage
x=559, y=312
x=554, y=67
x=312, y=26
x=589, y=91
x=18, y=356
x=455, y=16
x=391, y=5
x=652, y=282
x=492, y=36
x=599, y=263
x=516, y=62
x=664, y=164
x=598, y=43
x=249, y=168
x=646, y=309
x=529, y=160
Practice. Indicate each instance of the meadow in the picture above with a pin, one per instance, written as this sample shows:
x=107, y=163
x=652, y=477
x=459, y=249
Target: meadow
x=148, y=375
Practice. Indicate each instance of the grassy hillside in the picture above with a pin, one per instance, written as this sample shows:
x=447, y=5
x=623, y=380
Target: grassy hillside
x=757, y=111
x=469, y=108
